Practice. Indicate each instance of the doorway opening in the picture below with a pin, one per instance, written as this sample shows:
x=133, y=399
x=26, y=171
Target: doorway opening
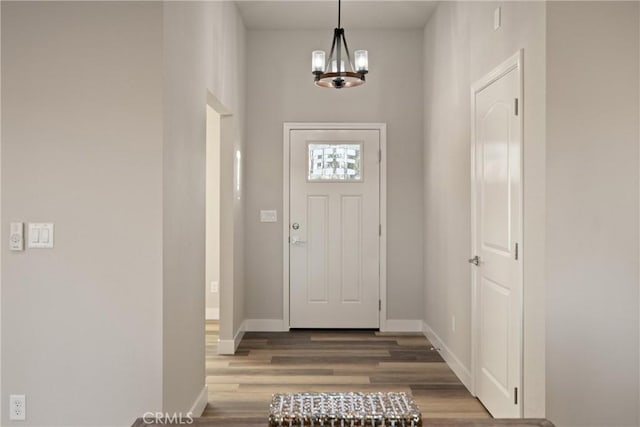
x=220, y=202
x=212, y=222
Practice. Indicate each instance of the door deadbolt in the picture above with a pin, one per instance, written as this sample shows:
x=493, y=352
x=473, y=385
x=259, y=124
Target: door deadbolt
x=295, y=226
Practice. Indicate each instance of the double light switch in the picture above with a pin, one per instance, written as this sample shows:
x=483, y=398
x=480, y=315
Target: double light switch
x=40, y=236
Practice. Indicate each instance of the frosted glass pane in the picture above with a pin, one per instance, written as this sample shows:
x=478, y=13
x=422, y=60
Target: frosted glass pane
x=335, y=162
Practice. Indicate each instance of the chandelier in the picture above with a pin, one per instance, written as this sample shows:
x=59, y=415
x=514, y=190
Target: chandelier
x=336, y=72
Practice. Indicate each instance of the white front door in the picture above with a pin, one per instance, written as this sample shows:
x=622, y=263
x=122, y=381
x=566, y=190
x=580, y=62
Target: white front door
x=334, y=228
x=497, y=179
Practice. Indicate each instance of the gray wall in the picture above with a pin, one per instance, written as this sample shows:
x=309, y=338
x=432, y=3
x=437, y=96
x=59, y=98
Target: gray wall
x=281, y=90
x=203, y=52
x=104, y=135
x=82, y=147
x=592, y=205
x=460, y=46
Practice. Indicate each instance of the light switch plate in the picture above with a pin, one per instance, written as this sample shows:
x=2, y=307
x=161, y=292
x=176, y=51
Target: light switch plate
x=268, y=216
x=16, y=236
x=40, y=236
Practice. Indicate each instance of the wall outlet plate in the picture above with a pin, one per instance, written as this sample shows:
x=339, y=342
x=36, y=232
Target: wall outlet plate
x=17, y=407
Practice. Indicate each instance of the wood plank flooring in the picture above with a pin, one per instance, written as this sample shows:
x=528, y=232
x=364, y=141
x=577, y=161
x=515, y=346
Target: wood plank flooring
x=240, y=386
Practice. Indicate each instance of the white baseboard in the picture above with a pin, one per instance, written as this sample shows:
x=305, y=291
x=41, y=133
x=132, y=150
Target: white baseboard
x=230, y=346
x=265, y=325
x=197, y=409
x=402, y=325
x=454, y=363
x=212, y=313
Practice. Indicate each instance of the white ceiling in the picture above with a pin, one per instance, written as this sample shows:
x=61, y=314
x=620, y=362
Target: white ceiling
x=323, y=14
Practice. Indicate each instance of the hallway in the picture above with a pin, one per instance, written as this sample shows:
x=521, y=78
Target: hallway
x=240, y=386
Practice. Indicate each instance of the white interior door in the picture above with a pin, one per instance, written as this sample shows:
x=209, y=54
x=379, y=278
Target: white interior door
x=497, y=145
x=334, y=228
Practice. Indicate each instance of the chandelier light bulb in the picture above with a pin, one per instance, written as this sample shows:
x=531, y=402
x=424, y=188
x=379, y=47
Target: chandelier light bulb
x=362, y=61
x=334, y=67
x=317, y=61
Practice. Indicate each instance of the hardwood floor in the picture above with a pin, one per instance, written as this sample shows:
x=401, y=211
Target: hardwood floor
x=240, y=386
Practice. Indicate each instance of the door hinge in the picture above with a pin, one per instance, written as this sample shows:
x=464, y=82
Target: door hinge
x=379, y=156
x=379, y=229
x=515, y=396
x=379, y=305
x=516, y=106
x=516, y=251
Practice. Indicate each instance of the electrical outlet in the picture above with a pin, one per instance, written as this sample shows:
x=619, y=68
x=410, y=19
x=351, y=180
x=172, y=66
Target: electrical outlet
x=17, y=407
x=214, y=286
x=453, y=323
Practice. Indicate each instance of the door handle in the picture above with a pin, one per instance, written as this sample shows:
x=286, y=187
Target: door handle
x=475, y=260
x=295, y=240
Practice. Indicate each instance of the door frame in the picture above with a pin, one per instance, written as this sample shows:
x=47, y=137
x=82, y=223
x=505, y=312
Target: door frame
x=228, y=194
x=515, y=62
x=286, y=191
